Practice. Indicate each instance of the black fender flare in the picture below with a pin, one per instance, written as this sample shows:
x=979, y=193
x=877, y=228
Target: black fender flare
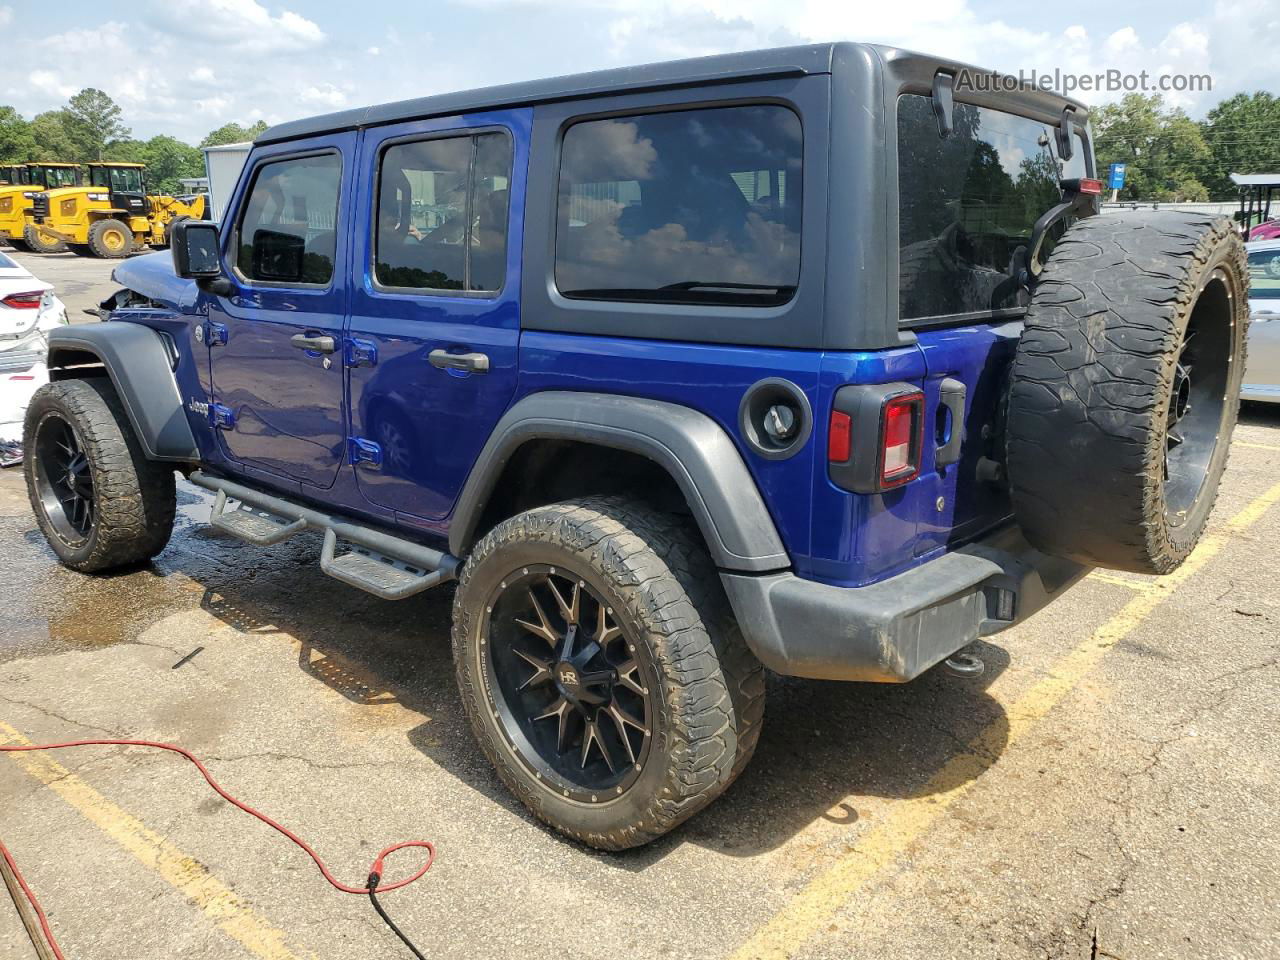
x=141, y=369
x=689, y=445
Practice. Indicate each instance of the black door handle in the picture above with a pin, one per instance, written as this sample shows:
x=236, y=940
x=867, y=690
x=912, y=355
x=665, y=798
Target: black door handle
x=951, y=395
x=471, y=362
x=319, y=344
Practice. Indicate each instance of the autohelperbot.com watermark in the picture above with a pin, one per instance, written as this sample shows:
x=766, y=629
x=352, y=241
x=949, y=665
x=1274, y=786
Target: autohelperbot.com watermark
x=1067, y=82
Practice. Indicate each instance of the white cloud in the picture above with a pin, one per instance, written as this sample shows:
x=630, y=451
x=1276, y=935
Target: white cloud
x=373, y=51
x=6, y=16
x=48, y=82
x=245, y=25
x=323, y=95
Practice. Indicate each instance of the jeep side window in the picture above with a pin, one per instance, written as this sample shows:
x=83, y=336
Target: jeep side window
x=687, y=206
x=287, y=229
x=442, y=214
x=967, y=205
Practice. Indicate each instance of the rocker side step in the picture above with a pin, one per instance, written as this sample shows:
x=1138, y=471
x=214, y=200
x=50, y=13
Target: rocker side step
x=376, y=573
x=252, y=524
x=377, y=562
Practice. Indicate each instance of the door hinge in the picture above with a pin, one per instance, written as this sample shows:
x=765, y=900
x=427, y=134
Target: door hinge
x=222, y=417
x=365, y=453
x=215, y=333
x=361, y=353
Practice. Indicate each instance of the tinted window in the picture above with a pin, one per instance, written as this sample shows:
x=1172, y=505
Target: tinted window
x=60, y=177
x=117, y=179
x=442, y=214
x=691, y=206
x=967, y=205
x=1264, y=274
x=287, y=230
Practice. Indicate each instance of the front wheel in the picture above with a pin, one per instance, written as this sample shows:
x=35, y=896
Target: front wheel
x=602, y=670
x=98, y=500
x=40, y=242
x=110, y=239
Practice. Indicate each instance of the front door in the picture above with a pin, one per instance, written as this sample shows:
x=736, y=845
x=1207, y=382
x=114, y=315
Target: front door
x=435, y=296
x=275, y=342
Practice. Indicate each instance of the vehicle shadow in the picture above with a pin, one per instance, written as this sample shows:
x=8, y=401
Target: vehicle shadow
x=823, y=742
x=1256, y=414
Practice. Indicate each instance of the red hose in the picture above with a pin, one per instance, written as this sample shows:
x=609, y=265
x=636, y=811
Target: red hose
x=374, y=870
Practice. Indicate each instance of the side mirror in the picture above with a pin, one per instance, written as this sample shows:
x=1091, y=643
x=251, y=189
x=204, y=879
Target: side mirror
x=195, y=250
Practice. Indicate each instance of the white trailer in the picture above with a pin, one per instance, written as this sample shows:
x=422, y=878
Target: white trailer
x=223, y=165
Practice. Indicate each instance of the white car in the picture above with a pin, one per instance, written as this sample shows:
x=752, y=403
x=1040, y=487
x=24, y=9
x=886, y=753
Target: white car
x=1262, y=373
x=28, y=311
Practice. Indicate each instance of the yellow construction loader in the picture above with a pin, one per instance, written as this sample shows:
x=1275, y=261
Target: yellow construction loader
x=114, y=215
x=25, y=181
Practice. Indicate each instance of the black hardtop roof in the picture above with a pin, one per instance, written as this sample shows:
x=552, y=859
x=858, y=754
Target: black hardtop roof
x=722, y=68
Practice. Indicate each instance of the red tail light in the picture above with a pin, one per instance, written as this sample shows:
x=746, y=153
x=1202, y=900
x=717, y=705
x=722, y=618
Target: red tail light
x=839, y=437
x=24, y=301
x=1090, y=186
x=900, y=439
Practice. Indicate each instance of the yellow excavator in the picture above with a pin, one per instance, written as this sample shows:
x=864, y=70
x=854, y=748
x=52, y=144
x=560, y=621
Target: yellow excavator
x=25, y=181
x=112, y=216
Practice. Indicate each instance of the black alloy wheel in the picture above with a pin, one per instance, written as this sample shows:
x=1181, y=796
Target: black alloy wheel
x=1193, y=422
x=64, y=480
x=569, y=690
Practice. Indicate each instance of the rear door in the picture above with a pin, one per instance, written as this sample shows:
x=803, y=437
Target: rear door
x=275, y=342
x=434, y=324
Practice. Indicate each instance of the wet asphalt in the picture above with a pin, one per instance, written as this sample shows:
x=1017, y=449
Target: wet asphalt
x=1108, y=788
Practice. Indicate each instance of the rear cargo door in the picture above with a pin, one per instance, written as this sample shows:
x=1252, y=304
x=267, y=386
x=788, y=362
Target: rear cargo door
x=967, y=205
x=966, y=377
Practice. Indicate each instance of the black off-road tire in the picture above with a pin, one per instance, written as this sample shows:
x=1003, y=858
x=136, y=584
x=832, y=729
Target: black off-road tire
x=38, y=242
x=100, y=239
x=135, y=497
x=1102, y=355
x=658, y=577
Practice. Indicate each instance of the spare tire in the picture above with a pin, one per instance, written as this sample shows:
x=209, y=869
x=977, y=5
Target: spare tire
x=1125, y=388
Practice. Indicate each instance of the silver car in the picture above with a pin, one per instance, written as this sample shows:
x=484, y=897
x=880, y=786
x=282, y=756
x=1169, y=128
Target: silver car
x=1262, y=375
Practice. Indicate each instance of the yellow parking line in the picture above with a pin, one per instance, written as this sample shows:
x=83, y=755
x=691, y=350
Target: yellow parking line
x=1119, y=580
x=815, y=907
x=1257, y=446
x=186, y=874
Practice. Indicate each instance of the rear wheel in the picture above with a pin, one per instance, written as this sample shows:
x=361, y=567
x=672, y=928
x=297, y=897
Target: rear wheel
x=602, y=671
x=40, y=242
x=110, y=239
x=98, y=500
x=1125, y=388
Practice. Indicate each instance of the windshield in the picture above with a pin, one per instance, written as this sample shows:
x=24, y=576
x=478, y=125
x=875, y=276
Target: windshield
x=55, y=177
x=118, y=179
x=1264, y=275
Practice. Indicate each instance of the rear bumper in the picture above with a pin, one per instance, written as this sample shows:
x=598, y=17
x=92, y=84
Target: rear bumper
x=894, y=630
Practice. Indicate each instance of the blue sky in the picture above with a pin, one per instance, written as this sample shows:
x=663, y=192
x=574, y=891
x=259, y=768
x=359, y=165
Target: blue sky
x=187, y=66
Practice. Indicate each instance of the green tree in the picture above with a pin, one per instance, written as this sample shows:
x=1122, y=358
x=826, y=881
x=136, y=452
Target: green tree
x=1243, y=134
x=16, y=142
x=170, y=160
x=56, y=137
x=96, y=119
x=1164, y=149
x=232, y=133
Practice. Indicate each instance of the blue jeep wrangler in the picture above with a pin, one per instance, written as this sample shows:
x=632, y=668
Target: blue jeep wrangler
x=818, y=359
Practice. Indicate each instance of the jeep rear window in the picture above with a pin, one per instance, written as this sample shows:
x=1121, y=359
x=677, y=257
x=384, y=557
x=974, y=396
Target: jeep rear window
x=967, y=204
x=688, y=206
